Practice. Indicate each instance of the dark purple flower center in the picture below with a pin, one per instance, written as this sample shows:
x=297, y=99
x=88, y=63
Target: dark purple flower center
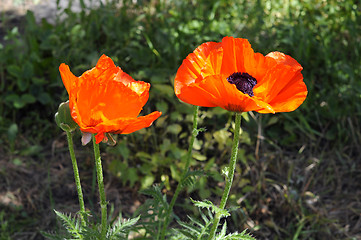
x=243, y=81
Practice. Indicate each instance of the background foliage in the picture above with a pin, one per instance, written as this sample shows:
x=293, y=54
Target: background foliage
x=299, y=173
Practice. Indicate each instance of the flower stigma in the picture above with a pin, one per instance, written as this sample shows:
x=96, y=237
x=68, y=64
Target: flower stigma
x=243, y=81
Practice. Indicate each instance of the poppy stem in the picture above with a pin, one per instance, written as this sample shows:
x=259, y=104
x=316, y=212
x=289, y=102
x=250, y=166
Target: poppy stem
x=229, y=175
x=185, y=171
x=103, y=203
x=76, y=176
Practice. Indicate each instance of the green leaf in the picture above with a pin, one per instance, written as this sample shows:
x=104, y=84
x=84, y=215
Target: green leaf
x=12, y=132
x=44, y=98
x=123, y=150
x=209, y=205
x=17, y=162
x=28, y=70
x=70, y=223
x=147, y=181
x=121, y=229
x=191, y=177
x=20, y=101
x=164, y=89
x=133, y=176
x=197, y=145
x=236, y=236
x=198, y=156
x=23, y=83
x=222, y=137
x=51, y=236
x=143, y=156
x=38, y=80
x=14, y=70
x=31, y=151
x=162, y=107
x=28, y=98
x=174, y=129
x=223, y=231
x=118, y=168
x=272, y=120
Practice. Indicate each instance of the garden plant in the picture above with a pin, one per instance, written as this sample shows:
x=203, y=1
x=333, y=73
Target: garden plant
x=105, y=100
x=157, y=148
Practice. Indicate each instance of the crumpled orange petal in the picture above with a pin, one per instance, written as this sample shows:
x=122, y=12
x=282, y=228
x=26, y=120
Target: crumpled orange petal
x=202, y=78
x=191, y=68
x=105, y=99
x=213, y=88
x=122, y=125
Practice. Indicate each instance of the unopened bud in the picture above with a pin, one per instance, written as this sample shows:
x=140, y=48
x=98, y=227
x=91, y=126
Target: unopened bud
x=63, y=118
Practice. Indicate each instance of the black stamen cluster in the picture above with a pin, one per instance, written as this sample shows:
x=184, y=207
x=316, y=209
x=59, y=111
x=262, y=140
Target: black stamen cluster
x=243, y=81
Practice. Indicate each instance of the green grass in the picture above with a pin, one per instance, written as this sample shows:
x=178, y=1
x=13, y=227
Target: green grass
x=307, y=168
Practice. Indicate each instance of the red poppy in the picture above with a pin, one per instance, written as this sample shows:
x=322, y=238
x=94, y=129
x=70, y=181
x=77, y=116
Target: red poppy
x=232, y=76
x=107, y=100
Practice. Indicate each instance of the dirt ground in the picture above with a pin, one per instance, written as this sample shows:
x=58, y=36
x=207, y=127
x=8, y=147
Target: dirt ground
x=30, y=188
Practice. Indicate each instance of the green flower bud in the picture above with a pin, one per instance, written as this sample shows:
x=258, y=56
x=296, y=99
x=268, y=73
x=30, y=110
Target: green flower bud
x=63, y=118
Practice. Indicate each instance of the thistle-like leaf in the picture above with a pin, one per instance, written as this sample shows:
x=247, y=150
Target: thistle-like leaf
x=152, y=211
x=52, y=236
x=233, y=236
x=195, y=229
x=122, y=228
x=224, y=229
x=70, y=223
x=203, y=129
x=191, y=178
x=209, y=205
x=155, y=192
x=198, y=230
x=91, y=233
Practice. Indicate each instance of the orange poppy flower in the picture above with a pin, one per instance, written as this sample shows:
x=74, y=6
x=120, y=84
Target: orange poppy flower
x=232, y=76
x=107, y=100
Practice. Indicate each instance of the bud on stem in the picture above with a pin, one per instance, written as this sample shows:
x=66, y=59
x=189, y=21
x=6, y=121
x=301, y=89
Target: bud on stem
x=63, y=118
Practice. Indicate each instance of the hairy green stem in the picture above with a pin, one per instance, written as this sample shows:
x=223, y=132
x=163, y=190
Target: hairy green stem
x=103, y=203
x=184, y=174
x=229, y=175
x=76, y=176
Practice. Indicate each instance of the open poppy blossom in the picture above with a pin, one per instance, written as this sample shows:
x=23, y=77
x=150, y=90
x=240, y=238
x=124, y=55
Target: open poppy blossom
x=230, y=75
x=107, y=100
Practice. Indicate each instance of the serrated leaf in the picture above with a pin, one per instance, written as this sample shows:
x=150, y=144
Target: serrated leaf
x=191, y=177
x=224, y=228
x=190, y=227
x=202, y=204
x=236, y=236
x=52, y=236
x=122, y=229
x=209, y=205
x=203, y=129
x=70, y=223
